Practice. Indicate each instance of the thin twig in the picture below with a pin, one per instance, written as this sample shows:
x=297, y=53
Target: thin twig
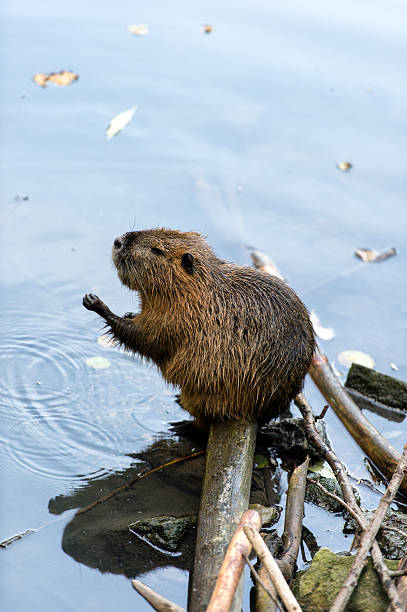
x=397, y=573
x=323, y=413
x=395, y=529
x=348, y=508
x=274, y=571
x=139, y=476
x=259, y=580
x=368, y=537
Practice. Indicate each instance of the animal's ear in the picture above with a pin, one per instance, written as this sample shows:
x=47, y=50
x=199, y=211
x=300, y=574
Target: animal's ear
x=187, y=262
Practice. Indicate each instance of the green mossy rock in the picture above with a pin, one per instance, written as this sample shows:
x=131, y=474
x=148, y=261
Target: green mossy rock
x=317, y=587
x=166, y=532
x=380, y=387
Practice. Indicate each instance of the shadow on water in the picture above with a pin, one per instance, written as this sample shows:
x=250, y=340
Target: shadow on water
x=100, y=538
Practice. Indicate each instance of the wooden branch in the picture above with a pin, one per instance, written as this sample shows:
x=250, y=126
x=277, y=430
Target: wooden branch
x=261, y=582
x=224, y=498
x=274, y=571
x=349, y=497
x=294, y=512
x=292, y=535
x=233, y=564
x=369, y=535
x=370, y=440
x=158, y=602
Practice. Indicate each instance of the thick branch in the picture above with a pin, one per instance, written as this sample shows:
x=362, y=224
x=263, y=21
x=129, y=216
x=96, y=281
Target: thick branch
x=233, y=564
x=274, y=571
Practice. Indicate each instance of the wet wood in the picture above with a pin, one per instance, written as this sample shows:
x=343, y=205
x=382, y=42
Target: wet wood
x=348, y=496
x=294, y=512
x=370, y=440
x=277, y=578
x=367, y=538
x=224, y=498
x=233, y=564
x=155, y=600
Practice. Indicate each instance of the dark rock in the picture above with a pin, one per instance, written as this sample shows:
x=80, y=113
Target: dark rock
x=166, y=532
x=377, y=386
x=288, y=437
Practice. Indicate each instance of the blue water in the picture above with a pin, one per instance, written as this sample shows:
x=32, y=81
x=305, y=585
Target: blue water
x=237, y=134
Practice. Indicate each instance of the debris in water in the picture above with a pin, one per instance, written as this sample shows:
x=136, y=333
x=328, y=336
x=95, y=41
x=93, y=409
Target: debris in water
x=372, y=255
x=346, y=358
x=344, y=166
x=325, y=333
x=138, y=30
x=98, y=363
x=119, y=122
x=263, y=262
x=62, y=78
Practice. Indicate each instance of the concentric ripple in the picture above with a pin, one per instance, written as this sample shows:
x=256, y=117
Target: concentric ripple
x=61, y=419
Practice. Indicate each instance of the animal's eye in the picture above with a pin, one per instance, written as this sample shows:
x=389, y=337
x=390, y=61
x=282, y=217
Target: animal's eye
x=157, y=251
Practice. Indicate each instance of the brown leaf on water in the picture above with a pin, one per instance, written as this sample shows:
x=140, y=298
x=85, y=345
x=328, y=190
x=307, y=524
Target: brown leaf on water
x=41, y=79
x=344, y=166
x=138, y=30
x=370, y=255
x=207, y=28
x=62, y=78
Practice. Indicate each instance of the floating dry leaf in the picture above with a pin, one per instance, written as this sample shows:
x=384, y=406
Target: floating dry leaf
x=106, y=342
x=344, y=166
x=263, y=262
x=98, y=363
x=346, y=358
x=325, y=333
x=372, y=255
x=119, y=122
x=207, y=28
x=138, y=30
x=62, y=78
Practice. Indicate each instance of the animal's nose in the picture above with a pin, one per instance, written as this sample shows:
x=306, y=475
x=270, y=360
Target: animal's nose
x=118, y=243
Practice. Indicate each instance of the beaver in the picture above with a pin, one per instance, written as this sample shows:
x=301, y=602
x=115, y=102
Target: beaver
x=235, y=340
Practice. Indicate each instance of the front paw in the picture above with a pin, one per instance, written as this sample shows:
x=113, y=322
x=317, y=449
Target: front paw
x=92, y=302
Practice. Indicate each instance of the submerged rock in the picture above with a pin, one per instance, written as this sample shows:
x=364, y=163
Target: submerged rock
x=325, y=476
x=317, y=587
x=166, y=532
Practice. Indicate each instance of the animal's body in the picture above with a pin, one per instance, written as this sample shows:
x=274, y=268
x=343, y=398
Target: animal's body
x=236, y=341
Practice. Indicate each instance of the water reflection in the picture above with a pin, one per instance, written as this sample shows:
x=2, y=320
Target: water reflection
x=100, y=538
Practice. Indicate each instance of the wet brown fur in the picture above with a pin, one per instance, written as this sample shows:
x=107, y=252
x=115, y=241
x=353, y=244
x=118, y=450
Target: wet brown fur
x=237, y=341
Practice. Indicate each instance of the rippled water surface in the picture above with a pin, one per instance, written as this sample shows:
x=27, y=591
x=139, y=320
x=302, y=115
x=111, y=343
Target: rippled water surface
x=237, y=134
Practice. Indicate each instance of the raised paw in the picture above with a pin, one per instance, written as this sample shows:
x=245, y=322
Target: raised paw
x=92, y=302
